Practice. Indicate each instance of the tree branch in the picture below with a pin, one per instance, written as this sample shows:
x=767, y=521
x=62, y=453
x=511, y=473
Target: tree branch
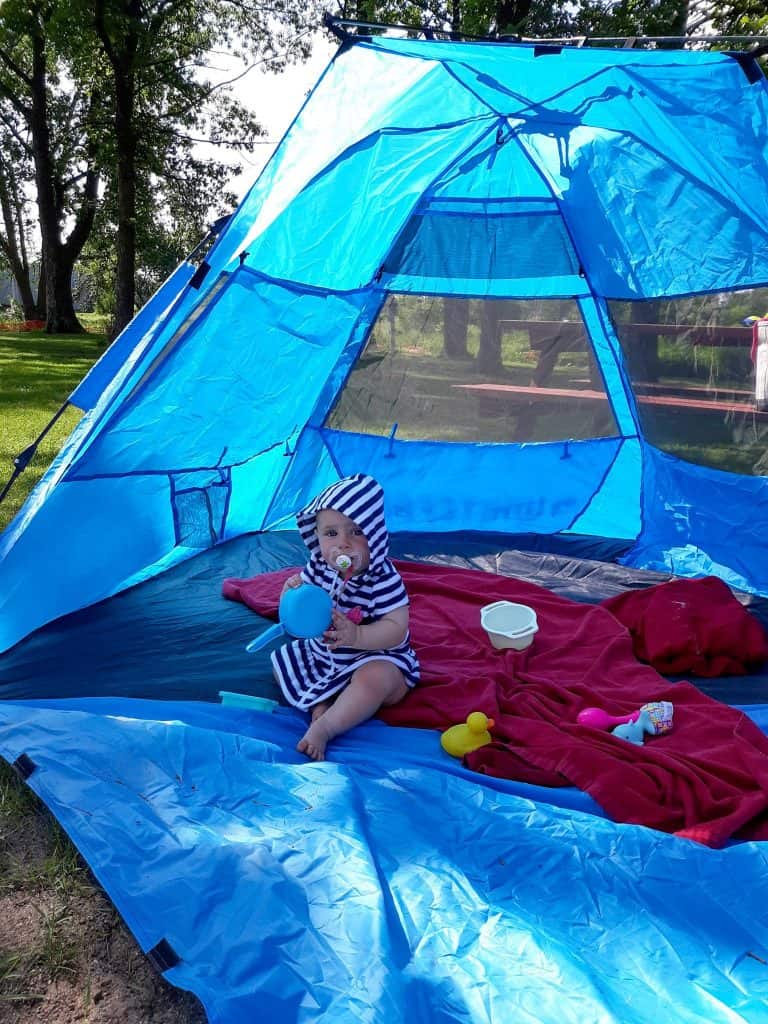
x=14, y=100
x=13, y=67
x=85, y=214
x=13, y=130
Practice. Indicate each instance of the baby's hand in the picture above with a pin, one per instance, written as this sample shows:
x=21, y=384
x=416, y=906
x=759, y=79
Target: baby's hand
x=342, y=631
x=291, y=583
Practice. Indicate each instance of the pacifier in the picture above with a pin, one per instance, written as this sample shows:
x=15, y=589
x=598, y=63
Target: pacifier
x=344, y=565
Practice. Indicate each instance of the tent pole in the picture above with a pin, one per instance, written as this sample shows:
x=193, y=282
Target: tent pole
x=23, y=459
x=340, y=26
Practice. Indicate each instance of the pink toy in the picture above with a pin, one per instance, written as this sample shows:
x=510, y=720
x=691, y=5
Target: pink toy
x=596, y=718
x=653, y=719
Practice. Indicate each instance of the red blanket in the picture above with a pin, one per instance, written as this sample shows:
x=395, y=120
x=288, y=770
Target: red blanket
x=691, y=626
x=706, y=780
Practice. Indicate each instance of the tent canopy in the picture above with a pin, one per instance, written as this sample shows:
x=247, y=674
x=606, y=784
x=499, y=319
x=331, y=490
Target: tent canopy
x=509, y=187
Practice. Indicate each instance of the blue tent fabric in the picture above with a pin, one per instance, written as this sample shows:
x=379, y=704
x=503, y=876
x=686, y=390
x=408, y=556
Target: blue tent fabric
x=386, y=885
x=603, y=157
x=735, y=509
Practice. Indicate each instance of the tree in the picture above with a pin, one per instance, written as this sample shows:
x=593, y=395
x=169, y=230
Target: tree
x=108, y=100
x=56, y=116
x=747, y=17
x=16, y=231
x=162, y=104
x=472, y=17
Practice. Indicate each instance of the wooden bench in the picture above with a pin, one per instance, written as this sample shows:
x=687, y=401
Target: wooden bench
x=544, y=333
x=708, y=336
x=641, y=387
x=551, y=338
x=499, y=391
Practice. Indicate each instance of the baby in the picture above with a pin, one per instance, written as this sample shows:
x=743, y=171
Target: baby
x=364, y=660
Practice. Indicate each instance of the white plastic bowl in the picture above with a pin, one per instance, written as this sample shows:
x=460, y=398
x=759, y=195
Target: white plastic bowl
x=509, y=625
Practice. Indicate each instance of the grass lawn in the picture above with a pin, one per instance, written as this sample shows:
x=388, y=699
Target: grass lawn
x=38, y=372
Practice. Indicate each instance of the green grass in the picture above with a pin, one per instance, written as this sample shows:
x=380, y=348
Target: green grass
x=14, y=986
x=38, y=372
x=16, y=801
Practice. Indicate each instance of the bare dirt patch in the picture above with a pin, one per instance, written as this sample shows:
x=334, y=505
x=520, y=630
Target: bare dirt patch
x=65, y=955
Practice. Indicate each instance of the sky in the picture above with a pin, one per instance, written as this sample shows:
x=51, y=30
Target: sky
x=275, y=99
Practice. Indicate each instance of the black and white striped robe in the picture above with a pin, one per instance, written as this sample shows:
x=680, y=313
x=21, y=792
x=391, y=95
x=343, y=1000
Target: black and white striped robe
x=307, y=671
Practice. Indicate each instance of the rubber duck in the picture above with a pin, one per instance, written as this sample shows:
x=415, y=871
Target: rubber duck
x=461, y=739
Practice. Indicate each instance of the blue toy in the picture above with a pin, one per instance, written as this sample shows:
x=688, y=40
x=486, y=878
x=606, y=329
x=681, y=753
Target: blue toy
x=304, y=612
x=653, y=719
x=635, y=731
x=247, y=700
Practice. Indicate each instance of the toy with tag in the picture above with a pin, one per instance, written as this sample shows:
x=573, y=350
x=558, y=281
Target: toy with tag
x=652, y=719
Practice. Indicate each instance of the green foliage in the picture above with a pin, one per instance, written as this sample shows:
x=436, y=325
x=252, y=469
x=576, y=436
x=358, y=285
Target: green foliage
x=631, y=18
x=537, y=18
x=746, y=17
x=16, y=800
x=114, y=59
x=156, y=54
x=14, y=987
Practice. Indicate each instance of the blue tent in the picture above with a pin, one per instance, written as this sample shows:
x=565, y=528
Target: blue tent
x=482, y=273
x=422, y=169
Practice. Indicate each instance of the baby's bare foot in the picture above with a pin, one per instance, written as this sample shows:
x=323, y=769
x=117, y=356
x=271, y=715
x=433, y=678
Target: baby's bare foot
x=315, y=740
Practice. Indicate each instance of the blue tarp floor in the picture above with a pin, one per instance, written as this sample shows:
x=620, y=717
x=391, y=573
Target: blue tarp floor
x=386, y=884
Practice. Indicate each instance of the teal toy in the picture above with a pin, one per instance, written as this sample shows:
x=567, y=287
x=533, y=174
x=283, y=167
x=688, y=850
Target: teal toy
x=653, y=719
x=304, y=612
x=246, y=700
x=634, y=732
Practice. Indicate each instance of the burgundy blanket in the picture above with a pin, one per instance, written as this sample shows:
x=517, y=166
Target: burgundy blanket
x=706, y=780
x=691, y=626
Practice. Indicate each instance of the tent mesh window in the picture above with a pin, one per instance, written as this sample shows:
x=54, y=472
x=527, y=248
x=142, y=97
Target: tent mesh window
x=200, y=500
x=701, y=387
x=476, y=370
x=484, y=240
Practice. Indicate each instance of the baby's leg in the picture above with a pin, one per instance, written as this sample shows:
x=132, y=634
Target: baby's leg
x=372, y=686
x=320, y=709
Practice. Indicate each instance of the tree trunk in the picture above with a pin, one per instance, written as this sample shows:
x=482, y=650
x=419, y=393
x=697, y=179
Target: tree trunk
x=41, y=287
x=23, y=283
x=60, y=310
x=121, y=53
x=511, y=16
x=455, y=324
x=489, y=353
x=61, y=317
x=642, y=351
x=12, y=242
x=126, y=202
x=456, y=15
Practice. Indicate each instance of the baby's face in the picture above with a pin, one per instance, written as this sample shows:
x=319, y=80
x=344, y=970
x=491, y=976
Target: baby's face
x=338, y=535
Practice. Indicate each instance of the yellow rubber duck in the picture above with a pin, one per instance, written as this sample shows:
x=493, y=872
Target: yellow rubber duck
x=460, y=739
